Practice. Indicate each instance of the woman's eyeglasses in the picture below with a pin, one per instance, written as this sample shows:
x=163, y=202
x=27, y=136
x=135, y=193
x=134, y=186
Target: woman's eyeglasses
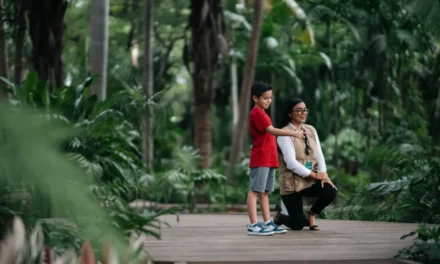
x=300, y=110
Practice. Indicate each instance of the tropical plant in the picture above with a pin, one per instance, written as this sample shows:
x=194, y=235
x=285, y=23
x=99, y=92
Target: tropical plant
x=95, y=138
x=184, y=178
x=426, y=246
x=409, y=195
x=20, y=248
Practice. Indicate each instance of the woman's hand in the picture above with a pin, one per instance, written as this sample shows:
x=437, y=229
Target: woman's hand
x=322, y=175
x=319, y=175
x=329, y=182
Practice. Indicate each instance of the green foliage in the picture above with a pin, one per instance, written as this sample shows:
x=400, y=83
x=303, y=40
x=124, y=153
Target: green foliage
x=20, y=248
x=184, y=180
x=351, y=144
x=426, y=246
x=237, y=191
x=376, y=61
x=30, y=155
x=426, y=12
x=95, y=138
x=411, y=197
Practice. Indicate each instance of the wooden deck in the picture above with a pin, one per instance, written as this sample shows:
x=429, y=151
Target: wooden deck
x=222, y=238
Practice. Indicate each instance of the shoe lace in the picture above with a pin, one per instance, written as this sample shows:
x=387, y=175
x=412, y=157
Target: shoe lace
x=271, y=223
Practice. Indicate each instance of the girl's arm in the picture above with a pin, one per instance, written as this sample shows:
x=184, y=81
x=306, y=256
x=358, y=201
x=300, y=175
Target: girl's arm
x=284, y=132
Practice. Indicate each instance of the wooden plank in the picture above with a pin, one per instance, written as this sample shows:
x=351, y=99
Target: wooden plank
x=223, y=238
x=141, y=204
x=373, y=261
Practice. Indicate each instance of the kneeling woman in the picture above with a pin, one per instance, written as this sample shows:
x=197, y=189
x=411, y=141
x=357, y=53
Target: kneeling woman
x=302, y=172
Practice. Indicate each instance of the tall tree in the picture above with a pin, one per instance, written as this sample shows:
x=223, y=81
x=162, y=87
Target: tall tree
x=99, y=46
x=147, y=117
x=19, y=37
x=234, y=92
x=248, y=77
x=46, y=26
x=3, y=51
x=201, y=57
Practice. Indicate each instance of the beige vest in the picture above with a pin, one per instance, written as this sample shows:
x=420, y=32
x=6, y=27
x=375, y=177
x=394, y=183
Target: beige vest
x=289, y=181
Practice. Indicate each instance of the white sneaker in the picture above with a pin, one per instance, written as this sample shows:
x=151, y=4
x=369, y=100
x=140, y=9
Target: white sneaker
x=259, y=229
x=276, y=229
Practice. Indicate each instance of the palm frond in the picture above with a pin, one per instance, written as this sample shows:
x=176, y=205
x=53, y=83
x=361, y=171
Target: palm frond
x=323, y=13
x=388, y=155
x=147, y=180
x=385, y=189
x=404, y=36
x=238, y=19
x=106, y=115
x=320, y=12
x=92, y=169
x=427, y=12
x=209, y=175
x=174, y=177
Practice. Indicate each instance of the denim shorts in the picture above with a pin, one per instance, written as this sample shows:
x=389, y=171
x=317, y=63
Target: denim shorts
x=262, y=179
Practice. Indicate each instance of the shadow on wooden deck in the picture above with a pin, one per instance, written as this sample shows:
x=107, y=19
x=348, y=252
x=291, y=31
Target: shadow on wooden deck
x=222, y=238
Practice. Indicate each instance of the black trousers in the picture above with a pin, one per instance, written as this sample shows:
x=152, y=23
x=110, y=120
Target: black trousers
x=296, y=219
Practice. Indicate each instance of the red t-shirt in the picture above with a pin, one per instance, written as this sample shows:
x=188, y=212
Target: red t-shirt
x=264, y=147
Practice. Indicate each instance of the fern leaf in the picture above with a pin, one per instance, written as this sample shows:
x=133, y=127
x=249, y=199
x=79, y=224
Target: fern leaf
x=384, y=189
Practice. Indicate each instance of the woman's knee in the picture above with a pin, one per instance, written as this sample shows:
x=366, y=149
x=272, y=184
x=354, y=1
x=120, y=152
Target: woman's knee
x=296, y=223
x=296, y=226
x=329, y=191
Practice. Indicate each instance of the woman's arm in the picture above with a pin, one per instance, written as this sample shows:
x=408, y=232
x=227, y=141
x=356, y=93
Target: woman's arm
x=289, y=156
x=319, y=155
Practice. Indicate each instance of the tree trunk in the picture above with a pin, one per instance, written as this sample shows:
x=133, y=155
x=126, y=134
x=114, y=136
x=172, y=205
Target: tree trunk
x=234, y=92
x=382, y=79
x=272, y=105
x=248, y=77
x=3, y=54
x=46, y=26
x=99, y=46
x=20, y=31
x=147, y=118
x=207, y=43
x=335, y=100
x=434, y=124
x=203, y=132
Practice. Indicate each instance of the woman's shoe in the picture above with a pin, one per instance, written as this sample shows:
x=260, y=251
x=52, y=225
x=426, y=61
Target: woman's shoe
x=313, y=227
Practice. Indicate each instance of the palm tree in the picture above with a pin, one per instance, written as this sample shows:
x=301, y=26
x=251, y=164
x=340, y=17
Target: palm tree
x=3, y=51
x=248, y=76
x=147, y=124
x=99, y=46
x=46, y=27
x=201, y=57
